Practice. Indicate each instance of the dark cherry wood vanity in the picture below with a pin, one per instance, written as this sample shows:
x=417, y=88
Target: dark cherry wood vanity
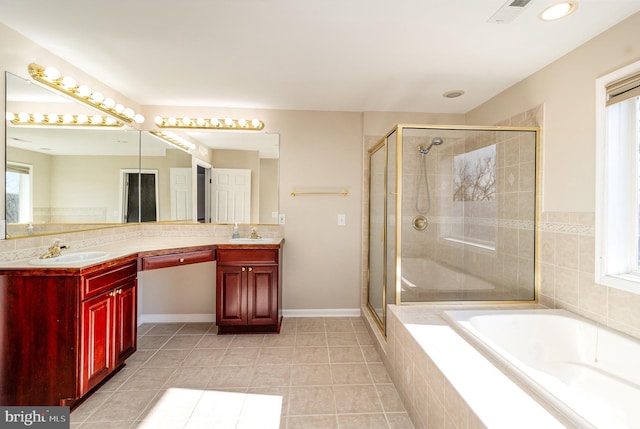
x=66, y=330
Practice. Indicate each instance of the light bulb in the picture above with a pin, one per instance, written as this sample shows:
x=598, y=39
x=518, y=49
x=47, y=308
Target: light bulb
x=96, y=119
x=53, y=118
x=200, y=122
x=38, y=117
x=242, y=122
x=52, y=73
x=109, y=103
x=138, y=118
x=128, y=112
x=118, y=108
x=186, y=122
x=23, y=117
x=67, y=118
x=109, y=120
x=9, y=116
x=84, y=91
x=228, y=122
x=69, y=82
x=172, y=121
x=97, y=97
x=214, y=122
x=82, y=119
x=256, y=123
x=158, y=120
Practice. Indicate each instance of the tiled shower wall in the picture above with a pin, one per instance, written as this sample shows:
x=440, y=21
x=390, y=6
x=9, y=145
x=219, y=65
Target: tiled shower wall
x=566, y=252
x=507, y=220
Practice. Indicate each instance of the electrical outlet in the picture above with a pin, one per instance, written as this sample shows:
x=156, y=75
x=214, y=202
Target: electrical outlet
x=342, y=220
x=281, y=219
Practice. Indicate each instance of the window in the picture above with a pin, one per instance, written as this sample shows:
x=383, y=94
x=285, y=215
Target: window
x=618, y=180
x=474, y=199
x=19, y=207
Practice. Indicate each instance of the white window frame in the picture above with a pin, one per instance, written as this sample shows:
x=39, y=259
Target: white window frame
x=616, y=199
x=25, y=210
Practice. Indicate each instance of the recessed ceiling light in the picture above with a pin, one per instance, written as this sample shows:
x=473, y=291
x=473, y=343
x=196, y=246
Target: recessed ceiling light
x=558, y=11
x=453, y=93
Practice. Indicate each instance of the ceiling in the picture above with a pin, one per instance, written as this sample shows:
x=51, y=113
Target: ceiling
x=338, y=55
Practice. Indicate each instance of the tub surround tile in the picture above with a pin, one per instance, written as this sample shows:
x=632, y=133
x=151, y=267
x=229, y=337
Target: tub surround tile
x=442, y=380
x=567, y=278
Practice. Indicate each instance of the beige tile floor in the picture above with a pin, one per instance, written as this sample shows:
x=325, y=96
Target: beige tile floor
x=317, y=373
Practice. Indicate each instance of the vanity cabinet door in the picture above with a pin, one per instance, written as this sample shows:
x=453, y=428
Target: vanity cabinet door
x=97, y=340
x=126, y=321
x=262, y=295
x=108, y=325
x=109, y=331
x=231, y=301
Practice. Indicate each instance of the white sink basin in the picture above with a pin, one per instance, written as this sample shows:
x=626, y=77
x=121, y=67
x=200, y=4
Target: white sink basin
x=251, y=240
x=70, y=258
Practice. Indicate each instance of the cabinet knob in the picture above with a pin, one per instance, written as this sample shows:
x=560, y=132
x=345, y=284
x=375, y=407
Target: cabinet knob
x=250, y=268
x=244, y=269
x=181, y=259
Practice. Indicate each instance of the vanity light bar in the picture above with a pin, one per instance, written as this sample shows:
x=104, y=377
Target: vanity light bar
x=65, y=120
x=51, y=77
x=210, y=123
x=174, y=140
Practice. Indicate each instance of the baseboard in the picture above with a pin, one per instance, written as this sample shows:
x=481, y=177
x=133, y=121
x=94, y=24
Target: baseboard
x=175, y=318
x=322, y=312
x=195, y=318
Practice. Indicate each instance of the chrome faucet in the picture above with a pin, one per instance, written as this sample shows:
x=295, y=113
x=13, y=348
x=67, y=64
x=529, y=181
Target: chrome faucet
x=54, y=250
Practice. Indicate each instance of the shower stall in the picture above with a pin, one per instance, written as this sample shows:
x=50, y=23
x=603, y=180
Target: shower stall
x=452, y=212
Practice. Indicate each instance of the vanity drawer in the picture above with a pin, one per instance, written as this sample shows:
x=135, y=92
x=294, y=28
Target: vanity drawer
x=96, y=282
x=176, y=259
x=247, y=256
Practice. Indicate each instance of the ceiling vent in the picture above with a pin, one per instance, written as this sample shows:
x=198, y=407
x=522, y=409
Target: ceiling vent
x=509, y=11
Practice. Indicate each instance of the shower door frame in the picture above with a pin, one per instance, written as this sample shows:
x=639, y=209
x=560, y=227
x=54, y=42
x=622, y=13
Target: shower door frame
x=397, y=257
x=380, y=321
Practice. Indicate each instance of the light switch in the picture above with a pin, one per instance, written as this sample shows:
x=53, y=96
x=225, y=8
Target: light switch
x=342, y=220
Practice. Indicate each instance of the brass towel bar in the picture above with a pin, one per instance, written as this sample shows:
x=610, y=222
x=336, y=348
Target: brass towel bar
x=344, y=193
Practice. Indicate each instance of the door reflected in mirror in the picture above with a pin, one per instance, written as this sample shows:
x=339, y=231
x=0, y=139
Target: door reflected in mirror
x=61, y=178
x=240, y=181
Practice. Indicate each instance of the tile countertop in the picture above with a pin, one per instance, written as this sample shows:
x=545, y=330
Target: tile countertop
x=147, y=246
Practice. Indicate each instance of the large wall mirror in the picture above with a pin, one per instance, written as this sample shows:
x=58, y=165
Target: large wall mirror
x=63, y=178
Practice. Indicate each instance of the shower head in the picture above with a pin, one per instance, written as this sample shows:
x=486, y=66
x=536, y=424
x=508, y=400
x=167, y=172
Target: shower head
x=435, y=141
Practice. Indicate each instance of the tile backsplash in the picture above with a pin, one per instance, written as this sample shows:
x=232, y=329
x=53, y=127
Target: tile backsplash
x=31, y=247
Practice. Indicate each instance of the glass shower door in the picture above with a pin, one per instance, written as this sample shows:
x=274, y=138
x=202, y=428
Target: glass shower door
x=376, y=294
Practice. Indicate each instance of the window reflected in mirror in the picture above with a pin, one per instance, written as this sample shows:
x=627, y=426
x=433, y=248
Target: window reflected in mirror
x=63, y=178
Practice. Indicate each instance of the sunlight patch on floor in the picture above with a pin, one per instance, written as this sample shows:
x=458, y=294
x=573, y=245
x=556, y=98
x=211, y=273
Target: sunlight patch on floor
x=194, y=409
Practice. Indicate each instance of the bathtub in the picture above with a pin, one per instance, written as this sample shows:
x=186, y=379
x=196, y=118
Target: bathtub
x=587, y=373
